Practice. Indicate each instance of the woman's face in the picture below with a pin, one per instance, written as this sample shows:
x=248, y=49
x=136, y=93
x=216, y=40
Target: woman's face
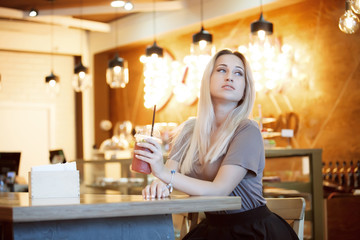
x=227, y=81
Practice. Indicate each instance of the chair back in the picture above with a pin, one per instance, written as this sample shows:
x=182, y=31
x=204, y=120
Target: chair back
x=290, y=209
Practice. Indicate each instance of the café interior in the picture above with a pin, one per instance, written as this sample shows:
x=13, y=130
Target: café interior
x=62, y=100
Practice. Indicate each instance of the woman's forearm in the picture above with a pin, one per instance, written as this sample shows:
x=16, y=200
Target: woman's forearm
x=223, y=184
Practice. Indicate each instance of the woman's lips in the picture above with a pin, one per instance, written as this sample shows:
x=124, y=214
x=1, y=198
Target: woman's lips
x=228, y=87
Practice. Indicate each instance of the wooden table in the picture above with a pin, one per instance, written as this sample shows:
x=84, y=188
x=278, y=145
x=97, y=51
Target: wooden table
x=98, y=216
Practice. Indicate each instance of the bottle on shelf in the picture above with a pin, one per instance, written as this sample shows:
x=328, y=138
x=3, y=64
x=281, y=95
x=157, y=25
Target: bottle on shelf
x=357, y=175
x=342, y=174
x=350, y=176
x=328, y=176
x=323, y=171
x=335, y=171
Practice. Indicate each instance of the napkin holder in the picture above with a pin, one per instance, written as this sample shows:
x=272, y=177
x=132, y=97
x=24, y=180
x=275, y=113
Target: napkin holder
x=54, y=184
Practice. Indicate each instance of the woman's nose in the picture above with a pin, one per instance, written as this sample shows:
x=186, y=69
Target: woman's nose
x=229, y=78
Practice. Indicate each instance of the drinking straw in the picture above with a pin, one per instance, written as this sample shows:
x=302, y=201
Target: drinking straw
x=153, y=120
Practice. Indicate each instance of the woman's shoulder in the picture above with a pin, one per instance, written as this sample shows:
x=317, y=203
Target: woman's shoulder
x=248, y=124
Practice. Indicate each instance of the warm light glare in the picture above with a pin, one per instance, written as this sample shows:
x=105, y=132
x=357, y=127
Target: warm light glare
x=117, y=3
x=158, y=87
x=81, y=82
x=82, y=75
x=349, y=22
x=33, y=13
x=128, y=6
x=52, y=83
x=202, y=44
x=355, y=6
x=261, y=35
x=271, y=64
x=117, y=77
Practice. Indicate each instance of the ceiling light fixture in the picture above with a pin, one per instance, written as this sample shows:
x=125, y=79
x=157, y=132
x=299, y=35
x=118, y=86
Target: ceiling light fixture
x=128, y=6
x=33, y=12
x=349, y=22
x=187, y=88
x=202, y=41
x=117, y=73
x=117, y=3
x=52, y=81
x=158, y=88
x=81, y=79
x=261, y=28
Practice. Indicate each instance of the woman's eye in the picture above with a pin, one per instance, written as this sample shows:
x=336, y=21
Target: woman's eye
x=221, y=70
x=239, y=73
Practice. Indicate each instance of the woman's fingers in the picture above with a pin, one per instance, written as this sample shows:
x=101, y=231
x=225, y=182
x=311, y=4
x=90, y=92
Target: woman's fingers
x=155, y=190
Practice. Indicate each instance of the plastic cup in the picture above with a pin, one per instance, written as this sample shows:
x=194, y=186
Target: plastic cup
x=137, y=164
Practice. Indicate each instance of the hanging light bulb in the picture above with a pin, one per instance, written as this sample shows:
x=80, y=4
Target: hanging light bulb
x=117, y=74
x=355, y=6
x=202, y=41
x=349, y=22
x=154, y=49
x=117, y=3
x=33, y=12
x=261, y=28
x=81, y=80
x=52, y=83
x=128, y=6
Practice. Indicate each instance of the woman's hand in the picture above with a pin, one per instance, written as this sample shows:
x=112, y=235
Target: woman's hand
x=154, y=158
x=157, y=189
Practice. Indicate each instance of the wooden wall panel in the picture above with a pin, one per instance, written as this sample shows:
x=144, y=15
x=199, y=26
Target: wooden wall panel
x=326, y=97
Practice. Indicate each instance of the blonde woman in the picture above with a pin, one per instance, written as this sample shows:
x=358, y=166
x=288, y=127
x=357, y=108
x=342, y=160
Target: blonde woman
x=220, y=153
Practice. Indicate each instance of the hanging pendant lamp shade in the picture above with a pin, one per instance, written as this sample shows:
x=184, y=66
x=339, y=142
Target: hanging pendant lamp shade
x=262, y=25
x=154, y=49
x=202, y=43
x=80, y=69
x=203, y=35
x=52, y=79
x=117, y=74
x=81, y=80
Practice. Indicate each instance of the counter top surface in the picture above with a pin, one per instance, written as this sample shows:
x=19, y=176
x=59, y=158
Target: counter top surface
x=18, y=207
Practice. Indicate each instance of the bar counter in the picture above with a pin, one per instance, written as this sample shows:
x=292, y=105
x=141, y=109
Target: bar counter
x=95, y=216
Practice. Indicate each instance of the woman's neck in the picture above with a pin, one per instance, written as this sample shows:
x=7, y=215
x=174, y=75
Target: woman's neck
x=222, y=111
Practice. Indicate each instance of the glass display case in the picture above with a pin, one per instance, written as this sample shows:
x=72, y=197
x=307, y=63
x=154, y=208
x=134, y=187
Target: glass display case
x=110, y=176
x=297, y=173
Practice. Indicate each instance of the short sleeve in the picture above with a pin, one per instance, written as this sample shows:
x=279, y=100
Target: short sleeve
x=246, y=148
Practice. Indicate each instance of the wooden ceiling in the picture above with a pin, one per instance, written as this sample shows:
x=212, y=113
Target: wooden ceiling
x=78, y=8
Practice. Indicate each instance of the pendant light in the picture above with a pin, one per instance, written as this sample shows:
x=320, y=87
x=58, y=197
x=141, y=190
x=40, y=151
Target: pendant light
x=33, y=12
x=202, y=41
x=349, y=22
x=117, y=73
x=81, y=80
x=154, y=49
x=261, y=28
x=52, y=81
x=157, y=84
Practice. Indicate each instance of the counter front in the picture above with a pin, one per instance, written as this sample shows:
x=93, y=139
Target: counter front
x=95, y=216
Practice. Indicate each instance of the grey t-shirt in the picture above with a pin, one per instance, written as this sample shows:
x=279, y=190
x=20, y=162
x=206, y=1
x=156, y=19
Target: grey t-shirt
x=245, y=149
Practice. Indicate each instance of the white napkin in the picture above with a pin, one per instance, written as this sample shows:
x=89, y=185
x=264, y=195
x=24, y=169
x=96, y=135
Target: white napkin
x=55, y=167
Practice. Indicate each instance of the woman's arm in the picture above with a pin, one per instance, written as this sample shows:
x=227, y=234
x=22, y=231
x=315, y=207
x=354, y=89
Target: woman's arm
x=224, y=183
x=227, y=178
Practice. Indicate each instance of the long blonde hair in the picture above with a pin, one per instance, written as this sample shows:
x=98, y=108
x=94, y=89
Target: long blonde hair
x=195, y=134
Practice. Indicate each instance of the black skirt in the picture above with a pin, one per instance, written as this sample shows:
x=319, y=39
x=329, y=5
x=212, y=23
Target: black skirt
x=259, y=223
